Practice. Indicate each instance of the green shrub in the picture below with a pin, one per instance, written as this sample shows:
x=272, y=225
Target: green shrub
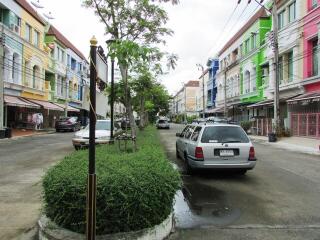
x=134, y=190
x=246, y=125
x=191, y=118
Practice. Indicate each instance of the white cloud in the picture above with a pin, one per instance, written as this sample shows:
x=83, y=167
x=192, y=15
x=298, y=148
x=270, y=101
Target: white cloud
x=197, y=25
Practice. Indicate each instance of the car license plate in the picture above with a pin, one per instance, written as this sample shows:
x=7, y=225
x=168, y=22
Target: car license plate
x=226, y=153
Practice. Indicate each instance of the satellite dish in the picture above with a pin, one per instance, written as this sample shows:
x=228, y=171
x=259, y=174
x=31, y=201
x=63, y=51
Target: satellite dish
x=37, y=4
x=48, y=16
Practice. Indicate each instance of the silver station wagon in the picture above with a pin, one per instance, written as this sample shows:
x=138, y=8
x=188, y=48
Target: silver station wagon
x=215, y=146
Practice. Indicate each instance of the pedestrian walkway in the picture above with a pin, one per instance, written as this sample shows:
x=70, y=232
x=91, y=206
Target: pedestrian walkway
x=29, y=132
x=296, y=144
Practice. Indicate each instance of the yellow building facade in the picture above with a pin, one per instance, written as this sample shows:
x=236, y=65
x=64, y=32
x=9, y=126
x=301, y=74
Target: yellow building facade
x=35, y=56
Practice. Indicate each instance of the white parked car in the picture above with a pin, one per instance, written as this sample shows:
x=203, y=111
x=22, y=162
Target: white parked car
x=163, y=123
x=215, y=146
x=103, y=132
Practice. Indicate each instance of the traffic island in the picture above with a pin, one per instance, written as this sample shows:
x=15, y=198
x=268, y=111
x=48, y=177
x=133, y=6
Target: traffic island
x=48, y=230
x=135, y=192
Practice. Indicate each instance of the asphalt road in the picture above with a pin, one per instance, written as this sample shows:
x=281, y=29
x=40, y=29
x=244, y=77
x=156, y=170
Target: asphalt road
x=23, y=162
x=279, y=199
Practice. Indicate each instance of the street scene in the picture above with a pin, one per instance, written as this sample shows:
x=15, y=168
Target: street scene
x=159, y=119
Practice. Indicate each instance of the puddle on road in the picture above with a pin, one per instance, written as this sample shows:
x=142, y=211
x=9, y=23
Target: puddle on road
x=200, y=205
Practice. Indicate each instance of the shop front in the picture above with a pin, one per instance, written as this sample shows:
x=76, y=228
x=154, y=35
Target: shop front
x=19, y=112
x=305, y=115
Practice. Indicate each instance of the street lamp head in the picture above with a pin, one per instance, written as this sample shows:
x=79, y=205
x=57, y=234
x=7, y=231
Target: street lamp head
x=93, y=41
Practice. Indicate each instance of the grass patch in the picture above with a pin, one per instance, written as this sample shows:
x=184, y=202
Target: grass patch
x=134, y=190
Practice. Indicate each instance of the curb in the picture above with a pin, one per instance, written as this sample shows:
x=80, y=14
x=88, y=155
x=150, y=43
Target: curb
x=48, y=230
x=25, y=136
x=289, y=147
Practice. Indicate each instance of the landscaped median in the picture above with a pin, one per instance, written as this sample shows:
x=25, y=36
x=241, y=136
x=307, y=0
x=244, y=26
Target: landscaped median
x=135, y=190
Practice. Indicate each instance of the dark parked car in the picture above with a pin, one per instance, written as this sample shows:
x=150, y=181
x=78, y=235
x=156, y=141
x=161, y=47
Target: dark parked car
x=68, y=124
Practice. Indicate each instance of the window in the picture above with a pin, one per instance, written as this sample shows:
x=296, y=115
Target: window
x=280, y=70
x=254, y=41
x=247, y=82
x=253, y=83
x=246, y=46
x=292, y=12
x=315, y=63
x=28, y=33
x=290, y=66
x=36, y=38
x=281, y=20
x=195, y=134
x=224, y=134
x=314, y=3
x=189, y=132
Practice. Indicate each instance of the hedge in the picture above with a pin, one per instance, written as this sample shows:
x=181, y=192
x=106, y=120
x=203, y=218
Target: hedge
x=134, y=190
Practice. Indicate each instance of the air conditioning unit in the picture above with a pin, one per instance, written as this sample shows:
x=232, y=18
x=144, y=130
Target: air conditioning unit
x=15, y=28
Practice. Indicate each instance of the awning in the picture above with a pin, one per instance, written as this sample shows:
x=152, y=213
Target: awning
x=216, y=110
x=307, y=98
x=18, y=102
x=262, y=103
x=70, y=109
x=47, y=105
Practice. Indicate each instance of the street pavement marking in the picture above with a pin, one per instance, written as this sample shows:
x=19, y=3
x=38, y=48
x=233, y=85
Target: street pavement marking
x=262, y=226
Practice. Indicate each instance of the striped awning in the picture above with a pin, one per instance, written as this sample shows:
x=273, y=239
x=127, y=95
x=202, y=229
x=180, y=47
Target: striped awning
x=305, y=98
x=70, y=109
x=18, y=102
x=47, y=105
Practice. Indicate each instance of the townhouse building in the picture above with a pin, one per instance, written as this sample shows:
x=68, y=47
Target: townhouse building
x=213, y=66
x=43, y=72
x=202, y=93
x=240, y=78
x=304, y=110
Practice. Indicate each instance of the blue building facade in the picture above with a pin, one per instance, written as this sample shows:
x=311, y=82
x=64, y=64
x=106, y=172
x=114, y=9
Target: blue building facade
x=213, y=67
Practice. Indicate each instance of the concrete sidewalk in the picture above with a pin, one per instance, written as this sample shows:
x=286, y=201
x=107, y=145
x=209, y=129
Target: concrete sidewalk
x=295, y=144
x=18, y=133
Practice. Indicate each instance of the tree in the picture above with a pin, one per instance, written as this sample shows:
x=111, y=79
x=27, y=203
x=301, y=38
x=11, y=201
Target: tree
x=131, y=23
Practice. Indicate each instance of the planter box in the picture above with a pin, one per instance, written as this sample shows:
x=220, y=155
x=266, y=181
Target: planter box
x=50, y=231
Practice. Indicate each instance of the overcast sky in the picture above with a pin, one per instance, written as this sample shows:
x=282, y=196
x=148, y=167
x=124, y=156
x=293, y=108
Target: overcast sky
x=199, y=26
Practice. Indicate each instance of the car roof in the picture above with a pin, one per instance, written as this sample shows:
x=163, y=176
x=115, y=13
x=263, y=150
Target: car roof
x=213, y=124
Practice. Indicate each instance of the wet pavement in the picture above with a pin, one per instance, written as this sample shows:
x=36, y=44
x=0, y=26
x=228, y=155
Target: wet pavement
x=276, y=200
x=23, y=162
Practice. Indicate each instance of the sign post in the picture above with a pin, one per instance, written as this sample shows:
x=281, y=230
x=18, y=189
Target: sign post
x=91, y=184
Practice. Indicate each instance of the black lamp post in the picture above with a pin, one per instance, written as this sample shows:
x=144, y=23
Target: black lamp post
x=112, y=90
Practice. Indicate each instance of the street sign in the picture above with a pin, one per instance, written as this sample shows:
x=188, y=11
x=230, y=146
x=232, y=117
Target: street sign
x=102, y=66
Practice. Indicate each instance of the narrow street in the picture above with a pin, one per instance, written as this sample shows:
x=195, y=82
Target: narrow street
x=279, y=199
x=23, y=162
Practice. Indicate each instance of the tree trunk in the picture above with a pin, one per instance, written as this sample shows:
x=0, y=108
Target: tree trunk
x=124, y=75
x=142, y=113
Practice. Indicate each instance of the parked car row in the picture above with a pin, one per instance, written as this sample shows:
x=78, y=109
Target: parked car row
x=215, y=146
x=102, y=134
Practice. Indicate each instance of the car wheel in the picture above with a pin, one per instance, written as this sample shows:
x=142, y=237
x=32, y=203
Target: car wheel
x=242, y=172
x=189, y=169
x=177, y=152
x=77, y=148
x=57, y=130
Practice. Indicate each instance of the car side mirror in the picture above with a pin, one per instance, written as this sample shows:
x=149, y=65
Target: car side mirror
x=178, y=134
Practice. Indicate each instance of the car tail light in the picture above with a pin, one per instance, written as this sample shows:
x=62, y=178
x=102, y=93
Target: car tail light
x=252, y=156
x=198, y=153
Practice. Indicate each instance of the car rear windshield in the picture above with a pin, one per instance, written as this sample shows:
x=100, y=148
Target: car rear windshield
x=101, y=125
x=224, y=134
x=162, y=121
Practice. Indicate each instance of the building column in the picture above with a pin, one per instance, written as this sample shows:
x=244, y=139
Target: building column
x=296, y=64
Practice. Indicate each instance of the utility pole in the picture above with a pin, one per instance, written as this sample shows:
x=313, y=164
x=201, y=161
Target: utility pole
x=225, y=92
x=203, y=95
x=2, y=41
x=276, y=111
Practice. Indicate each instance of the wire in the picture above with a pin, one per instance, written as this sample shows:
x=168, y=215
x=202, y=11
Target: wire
x=225, y=26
